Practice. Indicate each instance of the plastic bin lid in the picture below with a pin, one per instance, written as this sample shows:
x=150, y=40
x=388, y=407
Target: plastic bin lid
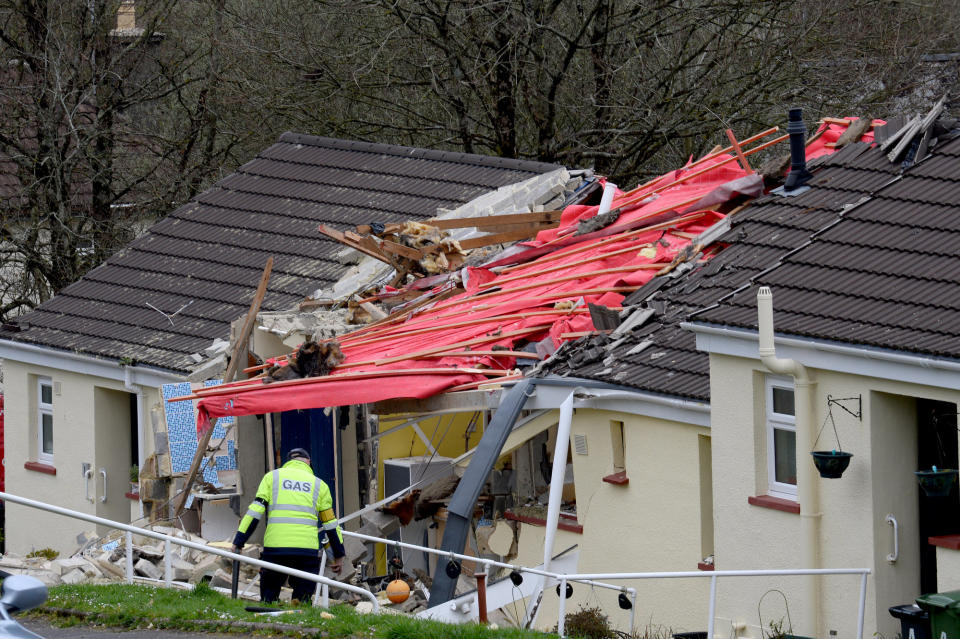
x=907, y=611
x=941, y=601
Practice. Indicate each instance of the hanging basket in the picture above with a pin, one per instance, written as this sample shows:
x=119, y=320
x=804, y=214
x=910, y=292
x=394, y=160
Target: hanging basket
x=936, y=482
x=831, y=463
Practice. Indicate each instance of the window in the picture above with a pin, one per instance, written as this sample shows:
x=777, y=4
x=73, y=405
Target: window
x=45, y=420
x=781, y=438
x=616, y=439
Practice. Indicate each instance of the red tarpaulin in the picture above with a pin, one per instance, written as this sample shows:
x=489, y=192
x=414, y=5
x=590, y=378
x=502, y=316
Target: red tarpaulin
x=541, y=295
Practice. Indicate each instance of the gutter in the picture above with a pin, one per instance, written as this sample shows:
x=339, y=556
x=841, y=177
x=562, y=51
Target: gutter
x=808, y=488
x=87, y=365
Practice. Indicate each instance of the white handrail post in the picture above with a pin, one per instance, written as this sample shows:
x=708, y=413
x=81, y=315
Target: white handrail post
x=562, y=608
x=167, y=563
x=713, y=605
x=863, y=602
x=320, y=594
x=129, y=557
x=633, y=611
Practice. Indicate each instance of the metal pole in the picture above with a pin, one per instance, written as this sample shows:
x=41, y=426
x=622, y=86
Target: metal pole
x=633, y=611
x=713, y=605
x=562, y=607
x=129, y=557
x=23, y=501
x=863, y=602
x=167, y=563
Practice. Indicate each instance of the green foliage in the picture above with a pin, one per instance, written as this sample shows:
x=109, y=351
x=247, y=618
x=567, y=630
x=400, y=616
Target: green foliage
x=134, y=473
x=589, y=623
x=46, y=553
x=205, y=609
x=652, y=631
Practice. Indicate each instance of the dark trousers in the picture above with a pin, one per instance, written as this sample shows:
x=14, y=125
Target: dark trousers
x=271, y=581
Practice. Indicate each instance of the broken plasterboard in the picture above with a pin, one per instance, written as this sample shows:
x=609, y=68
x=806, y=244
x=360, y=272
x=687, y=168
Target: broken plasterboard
x=219, y=468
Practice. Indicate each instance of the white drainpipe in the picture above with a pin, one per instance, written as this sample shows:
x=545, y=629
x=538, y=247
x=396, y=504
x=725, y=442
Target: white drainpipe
x=808, y=487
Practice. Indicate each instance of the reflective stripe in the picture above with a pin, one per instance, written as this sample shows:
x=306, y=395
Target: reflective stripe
x=294, y=507
x=256, y=514
x=293, y=520
x=330, y=525
x=275, y=476
x=316, y=495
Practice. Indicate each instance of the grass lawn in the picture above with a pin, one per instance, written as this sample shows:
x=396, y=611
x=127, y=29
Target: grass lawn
x=133, y=606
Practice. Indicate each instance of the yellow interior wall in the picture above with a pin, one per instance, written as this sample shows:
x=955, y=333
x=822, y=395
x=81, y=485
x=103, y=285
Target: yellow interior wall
x=446, y=434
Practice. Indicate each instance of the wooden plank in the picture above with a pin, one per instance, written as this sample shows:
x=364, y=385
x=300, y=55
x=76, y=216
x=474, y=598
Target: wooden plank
x=484, y=382
x=496, y=238
x=560, y=267
x=228, y=376
x=739, y=151
x=716, y=153
x=216, y=391
x=543, y=217
x=518, y=354
x=340, y=237
x=469, y=342
x=399, y=249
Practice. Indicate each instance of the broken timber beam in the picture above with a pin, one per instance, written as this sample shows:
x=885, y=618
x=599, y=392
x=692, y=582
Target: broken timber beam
x=228, y=376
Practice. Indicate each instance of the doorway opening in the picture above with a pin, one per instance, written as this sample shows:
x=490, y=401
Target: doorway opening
x=936, y=446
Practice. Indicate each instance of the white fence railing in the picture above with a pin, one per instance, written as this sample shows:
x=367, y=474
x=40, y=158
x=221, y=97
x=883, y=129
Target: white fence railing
x=591, y=579
x=168, y=541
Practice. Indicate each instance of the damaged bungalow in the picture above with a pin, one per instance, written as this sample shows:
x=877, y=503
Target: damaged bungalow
x=584, y=386
x=83, y=373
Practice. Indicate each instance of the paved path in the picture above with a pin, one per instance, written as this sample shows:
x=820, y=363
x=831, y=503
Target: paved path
x=43, y=628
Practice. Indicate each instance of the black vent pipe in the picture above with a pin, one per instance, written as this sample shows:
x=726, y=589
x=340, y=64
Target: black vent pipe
x=799, y=175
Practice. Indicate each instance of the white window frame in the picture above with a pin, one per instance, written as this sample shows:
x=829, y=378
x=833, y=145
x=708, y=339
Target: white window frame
x=779, y=421
x=44, y=408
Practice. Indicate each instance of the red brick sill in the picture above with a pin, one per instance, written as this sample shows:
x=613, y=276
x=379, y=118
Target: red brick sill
x=775, y=503
x=40, y=468
x=703, y=566
x=946, y=541
x=133, y=496
x=536, y=521
x=618, y=479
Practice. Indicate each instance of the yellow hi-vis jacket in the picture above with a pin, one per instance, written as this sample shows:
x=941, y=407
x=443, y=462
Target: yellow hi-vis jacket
x=298, y=507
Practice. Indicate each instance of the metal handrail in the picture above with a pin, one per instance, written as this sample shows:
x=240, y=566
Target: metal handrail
x=590, y=578
x=130, y=530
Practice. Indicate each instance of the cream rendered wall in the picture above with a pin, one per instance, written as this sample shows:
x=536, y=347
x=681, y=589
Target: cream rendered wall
x=853, y=532
x=73, y=417
x=948, y=569
x=651, y=524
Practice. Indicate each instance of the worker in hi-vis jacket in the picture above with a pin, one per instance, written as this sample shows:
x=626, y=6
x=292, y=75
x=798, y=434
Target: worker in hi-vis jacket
x=299, y=510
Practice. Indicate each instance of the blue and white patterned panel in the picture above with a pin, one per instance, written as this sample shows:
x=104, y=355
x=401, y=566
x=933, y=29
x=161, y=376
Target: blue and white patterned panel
x=182, y=434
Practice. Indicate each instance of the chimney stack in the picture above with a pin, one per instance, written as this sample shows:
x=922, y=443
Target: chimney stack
x=127, y=16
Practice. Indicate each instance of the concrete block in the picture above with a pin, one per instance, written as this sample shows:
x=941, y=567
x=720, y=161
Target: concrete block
x=75, y=576
x=221, y=579
x=182, y=570
x=63, y=566
x=12, y=563
x=109, y=568
x=48, y=577
x=148, y=569
x=205, y=567
x=356, y=550
x=384, y=522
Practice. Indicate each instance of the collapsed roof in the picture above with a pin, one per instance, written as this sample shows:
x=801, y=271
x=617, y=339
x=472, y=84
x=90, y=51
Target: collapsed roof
x=167, y=295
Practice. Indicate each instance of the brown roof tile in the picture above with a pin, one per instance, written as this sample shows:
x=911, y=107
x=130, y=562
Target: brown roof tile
x=210, y=252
